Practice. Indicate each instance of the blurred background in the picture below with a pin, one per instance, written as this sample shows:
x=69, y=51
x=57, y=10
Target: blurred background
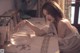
x=14, y=11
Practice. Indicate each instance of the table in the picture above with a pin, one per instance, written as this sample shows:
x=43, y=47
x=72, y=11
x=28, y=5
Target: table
x=34, y=45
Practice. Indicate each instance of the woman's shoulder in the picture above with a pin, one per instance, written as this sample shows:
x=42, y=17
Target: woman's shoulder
x=64, y=21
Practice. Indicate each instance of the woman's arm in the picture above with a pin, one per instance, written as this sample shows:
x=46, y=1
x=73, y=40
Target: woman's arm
x=16, y=28
x=32, y=26
x=61, y=29
x=37, y=31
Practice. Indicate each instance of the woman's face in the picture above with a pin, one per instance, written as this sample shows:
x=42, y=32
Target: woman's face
x=48, y=16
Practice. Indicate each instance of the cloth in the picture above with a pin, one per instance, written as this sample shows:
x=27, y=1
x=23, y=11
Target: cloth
x=70, y=43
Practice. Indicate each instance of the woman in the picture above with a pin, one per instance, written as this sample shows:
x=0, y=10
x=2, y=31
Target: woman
x=68, y=36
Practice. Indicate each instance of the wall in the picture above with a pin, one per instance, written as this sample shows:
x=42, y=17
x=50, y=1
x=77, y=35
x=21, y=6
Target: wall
x=6, y=5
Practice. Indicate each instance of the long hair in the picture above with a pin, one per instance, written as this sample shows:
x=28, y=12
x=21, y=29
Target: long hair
x=53, y=9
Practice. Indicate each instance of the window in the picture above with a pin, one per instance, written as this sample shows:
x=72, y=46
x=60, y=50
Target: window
x=72, y=14
x=79, y=16
x=73, y=1
x=75, y=13
x=72, y=11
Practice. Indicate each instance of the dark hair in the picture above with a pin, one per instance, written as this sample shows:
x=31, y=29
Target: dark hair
x=53, y=9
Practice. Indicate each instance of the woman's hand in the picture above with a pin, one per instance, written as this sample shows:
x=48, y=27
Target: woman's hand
x=16, y=28
x=21, y=24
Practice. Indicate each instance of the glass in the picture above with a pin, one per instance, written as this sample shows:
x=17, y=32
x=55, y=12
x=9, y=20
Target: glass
x=73, y=1
x=72, y=14
x=79, y=16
